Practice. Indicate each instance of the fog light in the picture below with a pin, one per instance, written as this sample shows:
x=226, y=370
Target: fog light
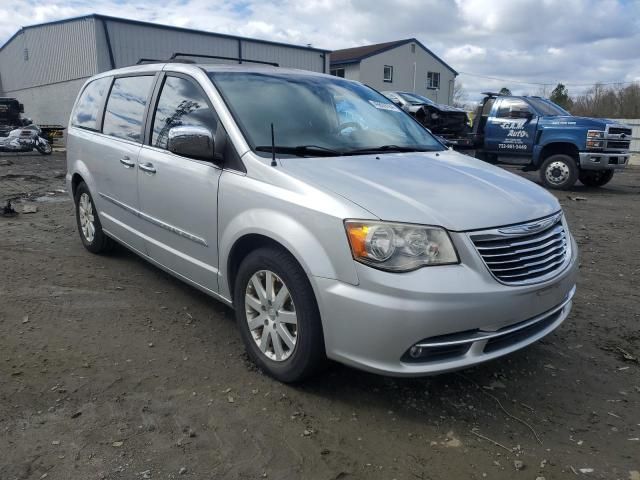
x=415, y=352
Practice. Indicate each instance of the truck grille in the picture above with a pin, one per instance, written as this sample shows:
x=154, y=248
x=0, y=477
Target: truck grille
x=619, y=131
x=527, y=253
x=618, y=144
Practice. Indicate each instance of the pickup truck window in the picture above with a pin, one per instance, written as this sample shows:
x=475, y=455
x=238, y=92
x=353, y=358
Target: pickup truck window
x=512, y=107
x=547, y=107
x=326, y=112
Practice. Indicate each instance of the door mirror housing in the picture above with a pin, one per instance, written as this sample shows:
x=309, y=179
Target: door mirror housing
x=192, y=142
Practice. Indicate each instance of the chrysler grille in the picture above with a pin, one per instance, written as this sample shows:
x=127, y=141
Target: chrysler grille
x=528, y=253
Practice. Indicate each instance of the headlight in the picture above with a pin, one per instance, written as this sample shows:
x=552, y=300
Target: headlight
x=595, y=134
x=399, y=247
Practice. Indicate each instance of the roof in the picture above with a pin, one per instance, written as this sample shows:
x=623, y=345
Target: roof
x=97, y=16
x=357, y=54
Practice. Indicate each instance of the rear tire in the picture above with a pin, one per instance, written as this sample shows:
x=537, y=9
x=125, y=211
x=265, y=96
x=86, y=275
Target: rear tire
x=89, y=226
x=559, y=172
x=595, y=178
x=272, y=292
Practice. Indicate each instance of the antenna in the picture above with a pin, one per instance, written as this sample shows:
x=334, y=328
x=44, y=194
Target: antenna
x=273, y=149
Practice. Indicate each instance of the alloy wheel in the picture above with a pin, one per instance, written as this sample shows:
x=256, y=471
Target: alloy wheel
x=271, y=315
x=87, y=220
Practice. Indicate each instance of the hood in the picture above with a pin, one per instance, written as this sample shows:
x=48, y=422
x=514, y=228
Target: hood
x=450, y=190
x=570, y=120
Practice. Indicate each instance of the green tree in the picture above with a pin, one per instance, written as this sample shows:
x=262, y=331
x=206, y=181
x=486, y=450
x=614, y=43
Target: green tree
x=504, y=91
x=560, y=95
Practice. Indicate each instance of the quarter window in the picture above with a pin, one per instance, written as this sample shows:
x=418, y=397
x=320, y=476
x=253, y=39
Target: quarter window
x=388, y=73
x=181, y=103
x=433, y=80
x=125, y=108
x=85, y=114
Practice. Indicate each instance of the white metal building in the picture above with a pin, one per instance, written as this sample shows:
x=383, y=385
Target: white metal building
x=45, y=65
x=403, y=65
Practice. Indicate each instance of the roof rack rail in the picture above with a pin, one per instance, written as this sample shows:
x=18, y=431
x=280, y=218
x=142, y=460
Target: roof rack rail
x=145, y=61
x=218, y=57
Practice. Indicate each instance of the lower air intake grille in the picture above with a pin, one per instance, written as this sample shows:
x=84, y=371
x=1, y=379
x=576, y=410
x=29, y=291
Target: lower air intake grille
x=527, y=253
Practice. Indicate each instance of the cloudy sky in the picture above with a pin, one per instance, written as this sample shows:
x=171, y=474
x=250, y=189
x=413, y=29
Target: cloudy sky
x=577, y=42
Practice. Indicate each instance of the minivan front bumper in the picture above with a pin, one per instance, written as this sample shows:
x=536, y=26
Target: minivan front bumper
x=459, y=315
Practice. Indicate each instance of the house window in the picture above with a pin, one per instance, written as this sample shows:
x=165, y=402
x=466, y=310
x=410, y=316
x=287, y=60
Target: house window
x=338, y=72
x=388, y=73
x=433, y=80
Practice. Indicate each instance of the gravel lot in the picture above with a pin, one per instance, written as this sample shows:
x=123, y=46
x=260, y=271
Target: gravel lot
x=111, y=369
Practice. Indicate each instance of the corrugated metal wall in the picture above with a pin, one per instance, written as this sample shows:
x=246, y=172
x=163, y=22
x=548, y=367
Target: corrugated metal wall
x=44, y=66
x=49, y=104
x=131, y=42
x=634, y=123
x=48, y=54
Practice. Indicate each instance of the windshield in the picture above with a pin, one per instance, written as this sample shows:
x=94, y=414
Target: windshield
x=313, y=114
x=416, y=99
x=547, y=107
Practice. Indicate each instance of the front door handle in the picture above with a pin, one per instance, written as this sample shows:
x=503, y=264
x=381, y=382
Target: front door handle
x=147, y=167
x=126, y=162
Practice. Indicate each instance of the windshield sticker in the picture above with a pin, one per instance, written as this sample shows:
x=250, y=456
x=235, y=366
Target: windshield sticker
x=384, y=106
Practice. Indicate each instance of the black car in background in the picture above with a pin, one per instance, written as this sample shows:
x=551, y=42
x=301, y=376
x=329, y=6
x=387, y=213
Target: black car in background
x=442, y=120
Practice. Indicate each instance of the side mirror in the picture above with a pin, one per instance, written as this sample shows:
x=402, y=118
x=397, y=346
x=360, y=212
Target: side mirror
x=192, y=142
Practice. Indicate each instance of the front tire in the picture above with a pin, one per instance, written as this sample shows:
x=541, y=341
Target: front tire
x=278, y=316
x=89, y=226
x=559, y=172
x=595, y=178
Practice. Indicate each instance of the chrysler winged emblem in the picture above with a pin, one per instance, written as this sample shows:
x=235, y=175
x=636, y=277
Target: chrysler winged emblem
x=531, y=227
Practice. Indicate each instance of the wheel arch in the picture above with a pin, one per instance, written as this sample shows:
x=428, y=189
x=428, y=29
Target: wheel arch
x=562, y=148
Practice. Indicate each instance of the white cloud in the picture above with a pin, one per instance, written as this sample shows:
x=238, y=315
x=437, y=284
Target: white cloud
x=543, y=41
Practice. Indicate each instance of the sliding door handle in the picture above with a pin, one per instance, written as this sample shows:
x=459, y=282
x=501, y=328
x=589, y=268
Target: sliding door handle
x=147, y=167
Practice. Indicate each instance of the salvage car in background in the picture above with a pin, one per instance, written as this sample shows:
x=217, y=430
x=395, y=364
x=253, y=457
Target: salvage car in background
x=363, y=240
x=443, y=120
x=25, y=139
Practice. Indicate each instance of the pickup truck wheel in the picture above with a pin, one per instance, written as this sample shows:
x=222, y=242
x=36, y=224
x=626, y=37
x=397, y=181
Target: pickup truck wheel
x=278, y=316
x=559, y=172
x=89, y=226
x=595, y=178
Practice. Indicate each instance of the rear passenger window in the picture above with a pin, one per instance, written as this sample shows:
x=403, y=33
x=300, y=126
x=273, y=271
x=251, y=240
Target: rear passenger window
x=181, y=103
x=125, y=108
x=85, y=114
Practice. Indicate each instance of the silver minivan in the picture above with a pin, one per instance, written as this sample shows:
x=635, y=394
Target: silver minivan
x=332, y=222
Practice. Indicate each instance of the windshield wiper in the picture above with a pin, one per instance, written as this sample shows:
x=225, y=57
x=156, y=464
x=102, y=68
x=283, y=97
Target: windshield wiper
x=389, y=148
x=302, y=150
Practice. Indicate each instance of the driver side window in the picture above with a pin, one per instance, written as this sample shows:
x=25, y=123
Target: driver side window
x=181, y=102
x=512, y=108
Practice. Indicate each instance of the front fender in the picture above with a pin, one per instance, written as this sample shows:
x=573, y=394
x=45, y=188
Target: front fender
x=297, y=238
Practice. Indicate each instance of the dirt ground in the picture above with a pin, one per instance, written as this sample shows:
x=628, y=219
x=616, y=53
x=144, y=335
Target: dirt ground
x=111, y=369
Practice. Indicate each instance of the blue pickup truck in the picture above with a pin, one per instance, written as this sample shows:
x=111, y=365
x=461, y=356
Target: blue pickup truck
x=537, y=133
